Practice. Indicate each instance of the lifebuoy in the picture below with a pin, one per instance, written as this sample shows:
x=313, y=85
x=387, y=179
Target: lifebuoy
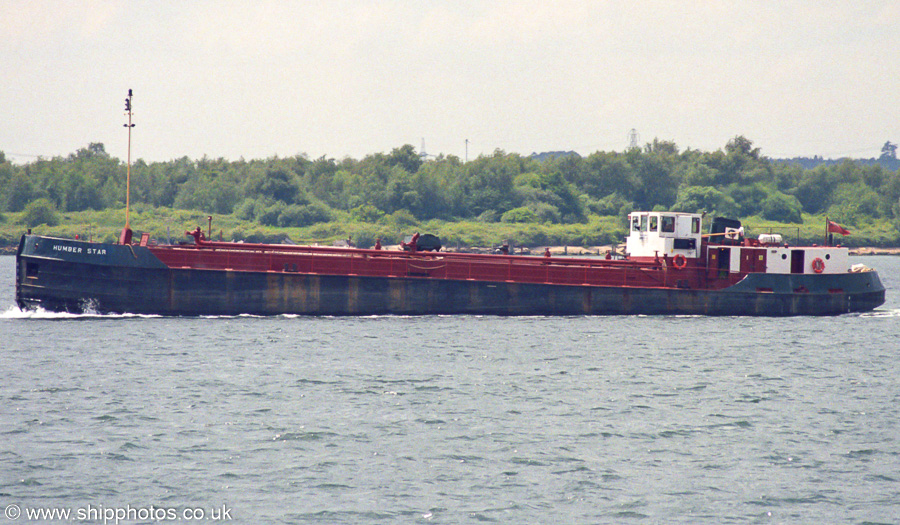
x=818, y=265
x=680, y=261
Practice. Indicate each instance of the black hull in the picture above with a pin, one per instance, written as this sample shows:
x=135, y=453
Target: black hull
x=136, y=282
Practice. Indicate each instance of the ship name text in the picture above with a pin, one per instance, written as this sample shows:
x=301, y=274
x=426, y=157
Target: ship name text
x=79, y=249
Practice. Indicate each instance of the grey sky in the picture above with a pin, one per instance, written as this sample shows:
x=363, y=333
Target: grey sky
x=348, y=78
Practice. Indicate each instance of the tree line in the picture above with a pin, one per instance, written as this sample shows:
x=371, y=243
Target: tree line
x=735, y=181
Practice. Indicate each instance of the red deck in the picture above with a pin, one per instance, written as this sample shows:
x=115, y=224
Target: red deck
x=317, y=260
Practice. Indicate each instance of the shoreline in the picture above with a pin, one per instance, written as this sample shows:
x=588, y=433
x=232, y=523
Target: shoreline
x=868, y=250
x=595, y=251
x=575, y=251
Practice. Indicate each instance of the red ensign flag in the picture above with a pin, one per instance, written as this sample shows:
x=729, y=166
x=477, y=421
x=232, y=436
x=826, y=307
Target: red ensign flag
x=834, y=227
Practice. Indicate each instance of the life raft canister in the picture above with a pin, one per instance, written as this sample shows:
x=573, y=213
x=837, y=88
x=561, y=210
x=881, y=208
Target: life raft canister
x=680, y=261
x=818, y=265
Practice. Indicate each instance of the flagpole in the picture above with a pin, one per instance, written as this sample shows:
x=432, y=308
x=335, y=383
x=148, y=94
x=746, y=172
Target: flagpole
x=826, y=230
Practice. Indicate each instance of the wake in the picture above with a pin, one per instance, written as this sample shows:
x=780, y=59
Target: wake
x=892, y=312
x=14, y=312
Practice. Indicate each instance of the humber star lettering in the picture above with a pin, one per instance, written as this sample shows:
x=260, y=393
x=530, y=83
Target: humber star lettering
x=79, y=249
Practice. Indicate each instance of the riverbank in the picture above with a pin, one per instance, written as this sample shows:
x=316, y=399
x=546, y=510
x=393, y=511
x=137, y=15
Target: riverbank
x=582, y=251
x=865, y=250
x=603, y=250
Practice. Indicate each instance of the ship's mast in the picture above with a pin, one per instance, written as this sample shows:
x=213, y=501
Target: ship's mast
x=128, y=176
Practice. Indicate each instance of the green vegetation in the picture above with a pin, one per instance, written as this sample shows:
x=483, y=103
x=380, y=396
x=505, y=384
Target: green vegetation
x=39, y=212
x=504, y=196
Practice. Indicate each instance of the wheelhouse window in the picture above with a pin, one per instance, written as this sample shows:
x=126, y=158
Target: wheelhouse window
x=695, y=225
x=643, y=223
x=668, y=224
x=654, y=223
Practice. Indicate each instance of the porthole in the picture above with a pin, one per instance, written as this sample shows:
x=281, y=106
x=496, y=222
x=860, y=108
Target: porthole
x=828, y=256
x=784, y=256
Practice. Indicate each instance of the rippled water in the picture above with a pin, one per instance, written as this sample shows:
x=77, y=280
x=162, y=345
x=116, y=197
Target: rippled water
x=456, y=419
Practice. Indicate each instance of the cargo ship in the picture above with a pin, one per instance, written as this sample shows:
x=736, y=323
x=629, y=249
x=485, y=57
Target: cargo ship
x=668, y=268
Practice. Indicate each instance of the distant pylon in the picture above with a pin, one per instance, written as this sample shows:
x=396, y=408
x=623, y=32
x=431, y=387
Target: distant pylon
x=422, y=150
x=633, y=139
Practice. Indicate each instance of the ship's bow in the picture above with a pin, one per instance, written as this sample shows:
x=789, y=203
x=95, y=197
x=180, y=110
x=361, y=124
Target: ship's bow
x=76, y=276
